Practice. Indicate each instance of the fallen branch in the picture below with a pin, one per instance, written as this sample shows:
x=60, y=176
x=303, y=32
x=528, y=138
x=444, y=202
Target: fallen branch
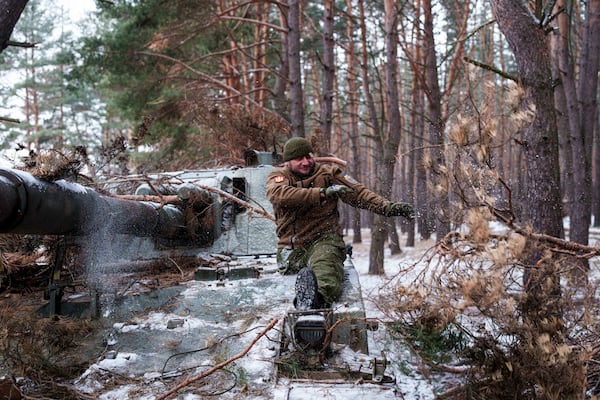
x=221, y=365
x=177, y=265
x=332, y=159
x=579, y=250
x=174, y=199
x=170, y=199
x=329, y=332
x=457, y=392
x=237, y=200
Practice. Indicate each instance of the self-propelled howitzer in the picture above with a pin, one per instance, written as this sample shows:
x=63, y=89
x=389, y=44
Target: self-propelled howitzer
x=191, y=211
x=134, y=223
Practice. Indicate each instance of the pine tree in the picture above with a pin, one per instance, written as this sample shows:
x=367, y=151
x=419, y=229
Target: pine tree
x=53, y=113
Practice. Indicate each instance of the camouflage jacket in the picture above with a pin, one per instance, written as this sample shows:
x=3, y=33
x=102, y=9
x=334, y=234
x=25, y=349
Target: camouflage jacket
x=300, y=211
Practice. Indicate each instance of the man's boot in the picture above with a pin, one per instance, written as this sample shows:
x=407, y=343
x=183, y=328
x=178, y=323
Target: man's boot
x=309, y=329
x=306, y=290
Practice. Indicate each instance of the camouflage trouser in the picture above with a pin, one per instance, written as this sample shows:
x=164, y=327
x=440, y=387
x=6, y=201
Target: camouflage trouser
x=325, y=256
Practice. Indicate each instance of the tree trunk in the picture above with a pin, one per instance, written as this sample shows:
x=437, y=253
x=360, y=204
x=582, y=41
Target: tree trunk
x=375, y=253
x=260, y=52
x=370, y=103
x=281, y=83
x=425, y=221
x=392, y=136
x=295, y=72
x=596, y=209
x=580, y=142
x=588, y=91
x=528, y=43
x=527, y=40
x=394, y=239
x=564, y=139
x=353, y=115
x=10, y=12
x=591, y=48
x=328, y=72
x=394, y=127
x=411, y=167
x=435, y=126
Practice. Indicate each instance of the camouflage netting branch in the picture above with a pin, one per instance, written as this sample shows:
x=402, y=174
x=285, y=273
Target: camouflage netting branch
x=513, y=340
x=174, y=199
x=37, y=349
x=24, y=261
x=519, y=330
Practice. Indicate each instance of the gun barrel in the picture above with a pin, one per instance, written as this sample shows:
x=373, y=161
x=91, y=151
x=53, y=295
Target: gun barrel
x=29, y=205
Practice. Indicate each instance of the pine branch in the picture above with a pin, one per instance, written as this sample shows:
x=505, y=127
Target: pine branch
x=491, y=68
x=20, y=44
x=237, y=200
x=7, y=119
x=578, y=249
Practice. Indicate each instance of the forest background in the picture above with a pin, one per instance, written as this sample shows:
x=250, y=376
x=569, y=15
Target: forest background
x=469, y=110
x=398, y=89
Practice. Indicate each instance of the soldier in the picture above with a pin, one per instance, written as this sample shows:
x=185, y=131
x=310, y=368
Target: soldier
x=305, y=196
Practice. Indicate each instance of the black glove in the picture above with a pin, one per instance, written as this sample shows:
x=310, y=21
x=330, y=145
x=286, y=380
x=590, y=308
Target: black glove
x=400, y=210
x=335, y=191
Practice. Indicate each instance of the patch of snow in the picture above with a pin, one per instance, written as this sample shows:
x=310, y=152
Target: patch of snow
x=4, y=163
x=72, y=186
x=120, y=362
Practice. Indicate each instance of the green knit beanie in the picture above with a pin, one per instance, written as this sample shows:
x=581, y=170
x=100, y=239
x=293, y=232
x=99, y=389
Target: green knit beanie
x=296, y=147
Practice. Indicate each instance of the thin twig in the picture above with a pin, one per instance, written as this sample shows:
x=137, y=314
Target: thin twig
x=169, y=199
x=178, y=267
